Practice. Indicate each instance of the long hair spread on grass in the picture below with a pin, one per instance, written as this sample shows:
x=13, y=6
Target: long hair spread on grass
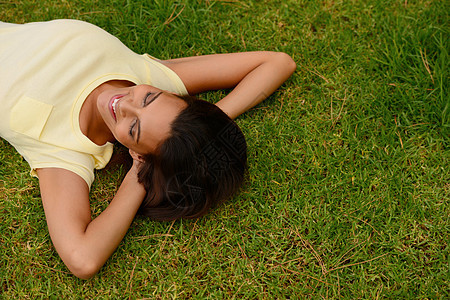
x=201, y=164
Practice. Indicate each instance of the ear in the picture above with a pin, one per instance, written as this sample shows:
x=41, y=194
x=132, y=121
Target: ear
x=136, y=156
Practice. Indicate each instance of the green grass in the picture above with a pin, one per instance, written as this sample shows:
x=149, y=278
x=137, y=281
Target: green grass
x=348, y=189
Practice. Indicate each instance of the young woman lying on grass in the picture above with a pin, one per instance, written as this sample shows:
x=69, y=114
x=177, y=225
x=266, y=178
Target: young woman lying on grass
x=68, y=89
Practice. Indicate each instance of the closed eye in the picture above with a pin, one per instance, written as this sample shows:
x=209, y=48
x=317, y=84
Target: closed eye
x=149, y=99
x=132, y=127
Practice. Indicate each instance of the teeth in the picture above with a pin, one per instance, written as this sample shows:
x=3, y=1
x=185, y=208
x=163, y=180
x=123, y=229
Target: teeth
x=114, y=105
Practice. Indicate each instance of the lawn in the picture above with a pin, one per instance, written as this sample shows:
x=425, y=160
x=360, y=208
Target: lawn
x=348, y=189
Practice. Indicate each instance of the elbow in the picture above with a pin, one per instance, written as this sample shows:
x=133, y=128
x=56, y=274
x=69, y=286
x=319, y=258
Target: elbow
x=286, y=62
x=84, y=273
x=290, y=64
x=82, y=267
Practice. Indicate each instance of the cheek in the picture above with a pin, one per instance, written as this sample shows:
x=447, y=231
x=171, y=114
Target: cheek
x=121, y=135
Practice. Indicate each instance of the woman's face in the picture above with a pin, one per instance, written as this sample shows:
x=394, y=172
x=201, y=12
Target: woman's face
x=139, y=117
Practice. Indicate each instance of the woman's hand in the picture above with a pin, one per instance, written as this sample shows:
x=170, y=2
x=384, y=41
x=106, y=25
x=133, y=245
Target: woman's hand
x=137, y=162
x=253, y=75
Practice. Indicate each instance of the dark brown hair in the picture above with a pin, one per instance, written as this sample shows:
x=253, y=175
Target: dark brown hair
x=200, y=165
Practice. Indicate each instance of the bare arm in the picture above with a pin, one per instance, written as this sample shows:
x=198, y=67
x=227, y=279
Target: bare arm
x=84, y=244
x=253, y=75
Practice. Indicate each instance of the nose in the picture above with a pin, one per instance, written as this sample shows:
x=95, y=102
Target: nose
x=127, y=107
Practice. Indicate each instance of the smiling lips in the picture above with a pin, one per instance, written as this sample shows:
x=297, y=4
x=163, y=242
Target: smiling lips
x=112, y=105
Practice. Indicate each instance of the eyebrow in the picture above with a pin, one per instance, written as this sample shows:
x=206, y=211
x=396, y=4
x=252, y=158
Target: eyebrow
x=139, y=121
